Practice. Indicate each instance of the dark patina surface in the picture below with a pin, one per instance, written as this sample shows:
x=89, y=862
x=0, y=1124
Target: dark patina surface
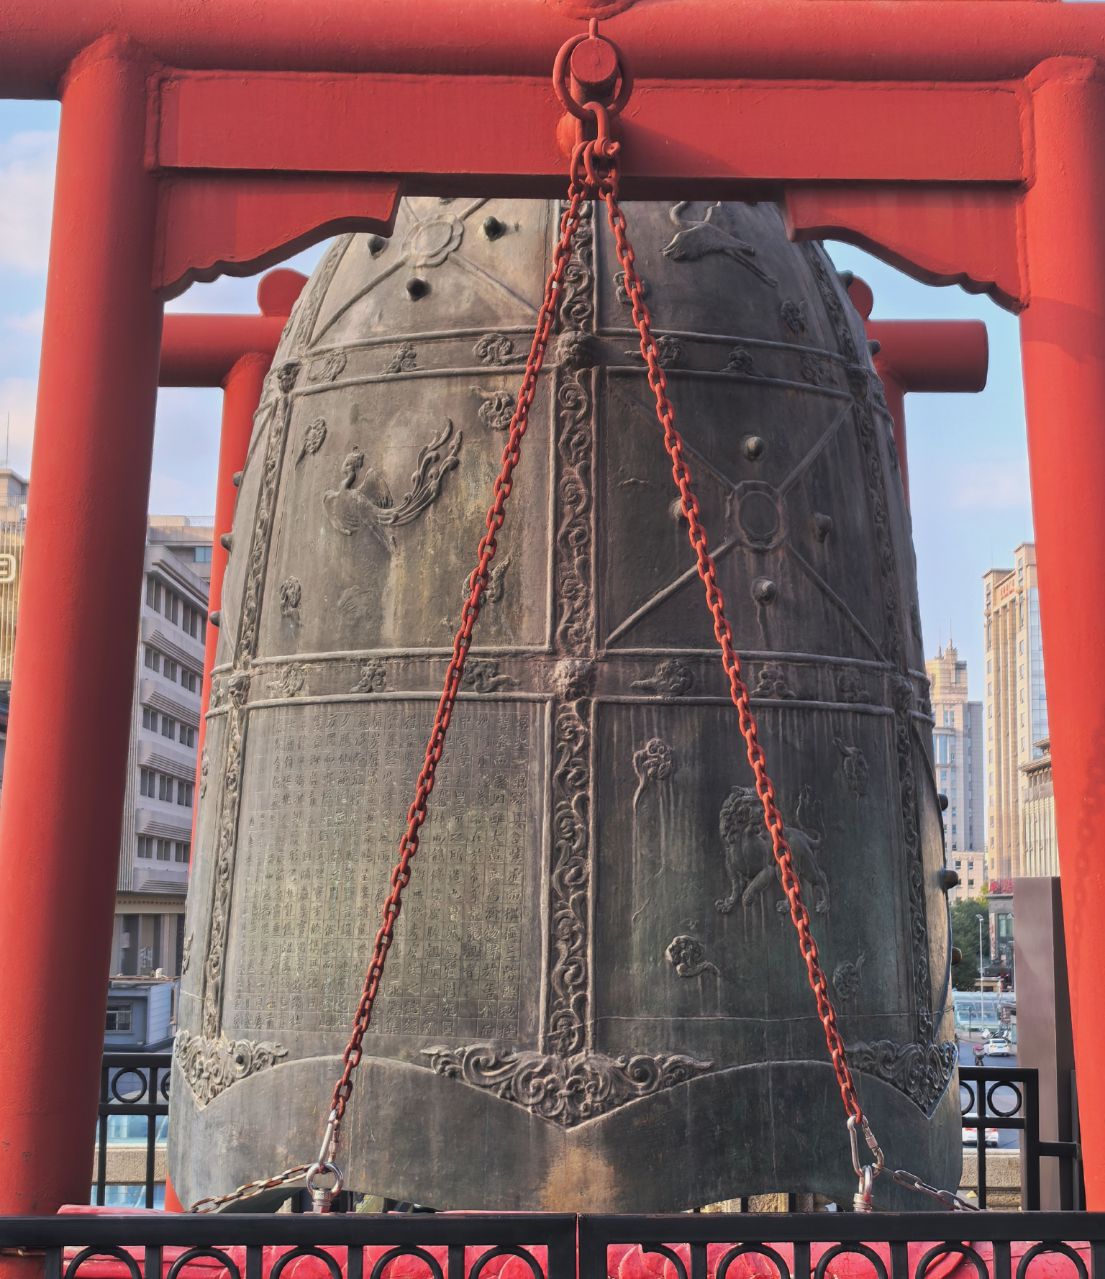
x=595, y=1000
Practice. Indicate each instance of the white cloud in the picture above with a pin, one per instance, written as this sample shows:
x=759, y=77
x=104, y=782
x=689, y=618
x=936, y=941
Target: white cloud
x=27, y=180
x=991, y=486
x=28, y=322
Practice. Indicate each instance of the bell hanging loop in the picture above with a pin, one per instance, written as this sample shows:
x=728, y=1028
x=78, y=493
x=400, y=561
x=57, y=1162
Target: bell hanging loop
x=323, y=1195
x=863, y=1200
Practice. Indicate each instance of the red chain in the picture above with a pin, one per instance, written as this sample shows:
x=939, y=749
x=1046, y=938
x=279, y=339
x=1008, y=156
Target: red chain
x=738, y=690
x=435, y=747
x=594, y=173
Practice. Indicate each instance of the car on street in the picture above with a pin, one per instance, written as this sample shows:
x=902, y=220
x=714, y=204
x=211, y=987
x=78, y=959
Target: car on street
x=998, y=1046
x=970, y=1135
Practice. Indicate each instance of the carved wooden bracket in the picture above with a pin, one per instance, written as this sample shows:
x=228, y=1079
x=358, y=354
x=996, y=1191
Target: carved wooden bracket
x=945, y=234
x=212, y=224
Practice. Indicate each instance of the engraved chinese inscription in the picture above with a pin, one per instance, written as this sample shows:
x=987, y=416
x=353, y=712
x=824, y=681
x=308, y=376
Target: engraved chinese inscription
x=317, y=846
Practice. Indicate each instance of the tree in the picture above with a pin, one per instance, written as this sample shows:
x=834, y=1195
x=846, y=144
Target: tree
x=965, y=913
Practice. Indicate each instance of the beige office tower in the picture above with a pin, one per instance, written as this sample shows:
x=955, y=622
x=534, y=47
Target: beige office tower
x=13, y=518
x=1016, y=705
x=959, y=762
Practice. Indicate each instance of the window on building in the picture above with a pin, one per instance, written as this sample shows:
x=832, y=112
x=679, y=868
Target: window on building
x=168, y=727
x=187, y=735
x=153, y=593
x=182, y=850
x=146, y=782
x=119, y=1017
x=202, y=555
x=164, y=788
x=189, y=679
x=144, y=849
x=149, y=718
x=164, y=849
x=172, y=606
x=169, y=668
x=152, y=658
x=184, y=794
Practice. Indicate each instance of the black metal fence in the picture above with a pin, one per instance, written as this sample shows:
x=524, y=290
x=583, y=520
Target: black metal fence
x=1004, y=1099
x=135, y=1086
x=552, y=1246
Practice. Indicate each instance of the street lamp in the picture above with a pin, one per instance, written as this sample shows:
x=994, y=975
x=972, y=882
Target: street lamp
x=981, y=919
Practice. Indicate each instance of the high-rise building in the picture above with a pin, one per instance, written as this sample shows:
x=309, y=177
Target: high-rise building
x=1041, y=848
x=188, y=539
x=13, y=519
x=1016, y=705
x=970, y=865
x=957, y=751
x=157, y=821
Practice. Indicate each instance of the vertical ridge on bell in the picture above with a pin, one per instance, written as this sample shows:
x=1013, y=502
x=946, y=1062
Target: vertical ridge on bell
x=594, y=959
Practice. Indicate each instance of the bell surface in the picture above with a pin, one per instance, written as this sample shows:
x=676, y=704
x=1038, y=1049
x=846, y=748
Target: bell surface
x=595, y=1000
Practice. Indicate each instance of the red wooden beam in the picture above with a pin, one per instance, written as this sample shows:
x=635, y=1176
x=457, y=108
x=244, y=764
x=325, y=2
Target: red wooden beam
x=836, y=40
x=676, y=131
x=201, y=350
x=921, y=355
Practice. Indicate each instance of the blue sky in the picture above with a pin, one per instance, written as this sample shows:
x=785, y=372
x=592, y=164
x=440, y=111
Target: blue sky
x=967, y=457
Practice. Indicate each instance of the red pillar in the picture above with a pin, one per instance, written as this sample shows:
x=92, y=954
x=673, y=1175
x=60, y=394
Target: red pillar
x=233, y=352
x=920, y=355
x=72, y=685
x=1063, y=345
x=241, y=396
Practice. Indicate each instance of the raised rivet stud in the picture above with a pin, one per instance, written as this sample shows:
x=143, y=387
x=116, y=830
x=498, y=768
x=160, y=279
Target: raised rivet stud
x=417, y=287
x=753, y=446
x=764, y=590
x=493, y=228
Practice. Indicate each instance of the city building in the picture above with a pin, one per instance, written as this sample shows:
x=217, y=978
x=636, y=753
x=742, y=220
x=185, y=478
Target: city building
x=957, y=742
x=1000, y=907
x=141, y=1014
x=189, y=540
x=1041, y=849
x=13, y=519
x=970, y=866
x=1016, y=705
x=157, y=822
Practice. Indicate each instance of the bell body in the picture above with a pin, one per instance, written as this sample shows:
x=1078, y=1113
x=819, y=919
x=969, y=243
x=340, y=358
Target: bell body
x=595, y=999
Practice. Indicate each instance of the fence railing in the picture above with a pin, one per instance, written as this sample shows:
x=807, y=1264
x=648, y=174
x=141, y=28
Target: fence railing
x=552, y=1246
x=136, y=1086
x=1007, y=1098
x=132, y=1086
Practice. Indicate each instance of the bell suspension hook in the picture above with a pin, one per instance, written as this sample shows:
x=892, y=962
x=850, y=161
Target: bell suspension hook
x=323, y=1195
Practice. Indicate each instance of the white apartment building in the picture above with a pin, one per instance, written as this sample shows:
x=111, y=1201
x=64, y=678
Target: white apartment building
x=157, y=826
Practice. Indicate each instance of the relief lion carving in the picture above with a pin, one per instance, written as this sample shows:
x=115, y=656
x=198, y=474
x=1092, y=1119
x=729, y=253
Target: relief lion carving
x=749, y=863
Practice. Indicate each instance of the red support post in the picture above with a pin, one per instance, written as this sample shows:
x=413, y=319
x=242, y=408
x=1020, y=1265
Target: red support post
x=1063, y=344
x=233, y=352
x=920, y=355
x=241, y=396
x=79, y=601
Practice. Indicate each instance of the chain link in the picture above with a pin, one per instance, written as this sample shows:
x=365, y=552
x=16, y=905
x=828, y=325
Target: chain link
x=250, y=1188
x=738, y=690
x=416, y=816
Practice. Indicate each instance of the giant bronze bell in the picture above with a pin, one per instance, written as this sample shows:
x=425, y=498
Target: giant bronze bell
x=595, y=1000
